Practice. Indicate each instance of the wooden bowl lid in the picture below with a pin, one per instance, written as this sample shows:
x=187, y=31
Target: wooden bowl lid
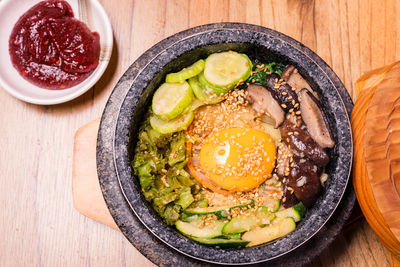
x=376, y=131
x=382, y=148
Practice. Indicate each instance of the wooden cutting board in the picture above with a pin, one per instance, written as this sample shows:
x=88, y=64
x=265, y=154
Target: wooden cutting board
x=86, y=191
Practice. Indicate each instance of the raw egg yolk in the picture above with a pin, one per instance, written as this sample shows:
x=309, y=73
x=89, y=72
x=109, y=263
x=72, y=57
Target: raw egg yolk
x=238, y=159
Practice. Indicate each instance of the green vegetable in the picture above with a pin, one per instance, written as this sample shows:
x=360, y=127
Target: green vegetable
x=205, y=84
x=186, y=73
x=248, y=221
x=197, y=229
x=224, y=70
x=171, y=214
x=272, y=204
x=171, y=100
x=261, y=71
x=158, y=162
x=185, y=198
x=204, y=93
x=233, y=236
x=220, y=242
x=220, y=212
x=279, y=228
x=175, y=125
x=296, y=212
x=178, y=149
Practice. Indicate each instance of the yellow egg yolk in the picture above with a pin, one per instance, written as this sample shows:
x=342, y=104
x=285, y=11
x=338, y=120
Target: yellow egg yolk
x=238, y=159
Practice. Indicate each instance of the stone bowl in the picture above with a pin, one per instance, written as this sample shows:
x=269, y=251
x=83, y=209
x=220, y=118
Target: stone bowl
x=135, y=89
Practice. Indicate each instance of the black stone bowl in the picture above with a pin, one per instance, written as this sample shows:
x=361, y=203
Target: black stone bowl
x=135, y=90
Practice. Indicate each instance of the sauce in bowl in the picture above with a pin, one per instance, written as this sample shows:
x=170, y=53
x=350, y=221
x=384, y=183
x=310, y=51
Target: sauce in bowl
x=52, y=49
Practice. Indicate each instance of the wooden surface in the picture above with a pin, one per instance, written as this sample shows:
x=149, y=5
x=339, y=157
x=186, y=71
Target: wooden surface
x=39, y=225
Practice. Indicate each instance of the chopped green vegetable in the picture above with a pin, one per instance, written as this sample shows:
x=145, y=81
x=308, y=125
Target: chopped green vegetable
x=185, y=198
x=178, y=149
x=158, y=162
x=260, y=72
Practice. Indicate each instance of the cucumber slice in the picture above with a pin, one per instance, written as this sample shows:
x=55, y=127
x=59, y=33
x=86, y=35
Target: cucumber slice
x=186, y=73
x=192, y=229
x=280, y=228
x=175, y=125
x=217, y=90
x=226, y=69
x=273, y=205
x=220, y=212
x=221, y=243
x=241, y=206
x=247, y=222
x=171, y=99
x=296, y=212
x=205, y=94
x=196, y=104
x=233, y=236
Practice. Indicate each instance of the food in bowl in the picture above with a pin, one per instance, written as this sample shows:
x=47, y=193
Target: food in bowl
x=232, y=152
x=52, y=49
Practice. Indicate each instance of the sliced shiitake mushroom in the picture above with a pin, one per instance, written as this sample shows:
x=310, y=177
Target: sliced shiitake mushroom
x=304, y=180
x=301, y=144
x=315, y=120
x=294, y=79
x=288, y=197
x=282, y=92
x=262, y=101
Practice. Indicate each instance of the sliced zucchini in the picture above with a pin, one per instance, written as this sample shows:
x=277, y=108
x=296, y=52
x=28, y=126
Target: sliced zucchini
x=226, y=69
x=186, y=73
x=272, y=204
x=193, y=229
x=205, y=94
x=217, y=90
x=233, y=236
x=171, y=100
x=241, y=206
x=221, y=243
x=296, y=212
x=175, y=125
x=189, y=218
x=279, y=228
x=196, y=104
x=247, y=222
x=220, y=212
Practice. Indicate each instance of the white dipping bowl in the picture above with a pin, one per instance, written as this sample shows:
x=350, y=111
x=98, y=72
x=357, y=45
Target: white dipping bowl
x=88, y=11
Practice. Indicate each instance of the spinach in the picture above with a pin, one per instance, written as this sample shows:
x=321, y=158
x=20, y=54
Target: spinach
x=260, y=72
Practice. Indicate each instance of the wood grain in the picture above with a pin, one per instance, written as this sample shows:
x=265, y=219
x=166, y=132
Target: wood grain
x=39, y=225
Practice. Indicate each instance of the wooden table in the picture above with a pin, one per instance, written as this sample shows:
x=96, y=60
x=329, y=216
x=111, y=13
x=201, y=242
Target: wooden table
x=40, y=227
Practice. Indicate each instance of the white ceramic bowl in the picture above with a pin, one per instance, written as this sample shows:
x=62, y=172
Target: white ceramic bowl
x=88, y=11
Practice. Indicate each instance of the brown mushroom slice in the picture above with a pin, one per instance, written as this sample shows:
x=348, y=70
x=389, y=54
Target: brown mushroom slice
x=282, y=92
x=262, y=102
x=302, y=144
x=294, y=79
x=315, y=120
x=304, y=181
x=288, y=197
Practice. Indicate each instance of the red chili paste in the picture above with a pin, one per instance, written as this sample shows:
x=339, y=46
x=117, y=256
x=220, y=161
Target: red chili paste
x=52, y=49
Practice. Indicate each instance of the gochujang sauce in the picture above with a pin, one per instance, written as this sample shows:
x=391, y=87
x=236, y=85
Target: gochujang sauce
x=52, y=49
